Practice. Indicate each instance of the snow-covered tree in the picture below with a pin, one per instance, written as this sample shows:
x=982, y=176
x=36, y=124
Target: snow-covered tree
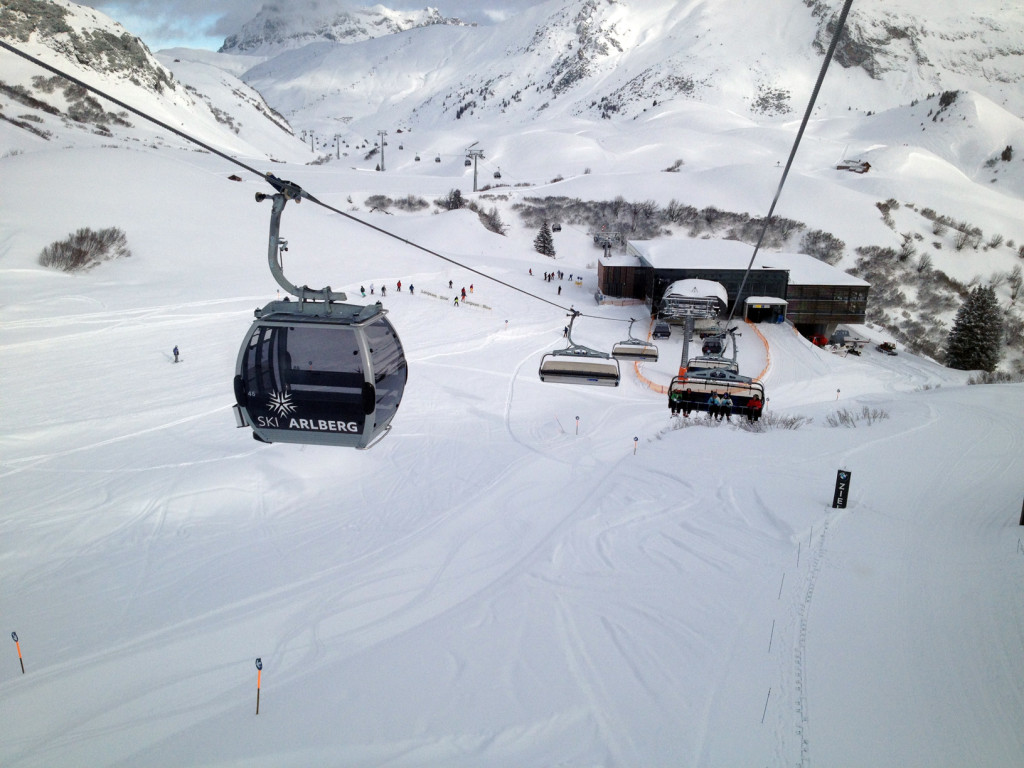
x=544, y=242
x=974, y=341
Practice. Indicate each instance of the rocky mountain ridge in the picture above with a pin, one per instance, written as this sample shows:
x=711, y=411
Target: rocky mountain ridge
x=284, y=26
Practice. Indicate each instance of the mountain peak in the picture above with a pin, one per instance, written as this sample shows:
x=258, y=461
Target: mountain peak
x=281, y=26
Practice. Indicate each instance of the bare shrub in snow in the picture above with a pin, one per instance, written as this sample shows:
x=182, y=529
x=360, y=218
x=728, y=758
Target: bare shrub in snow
x=847, y=418
x=85, y=249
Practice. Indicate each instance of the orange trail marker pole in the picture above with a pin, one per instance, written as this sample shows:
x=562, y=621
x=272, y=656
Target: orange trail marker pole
x=259, y=674
x=14, y=637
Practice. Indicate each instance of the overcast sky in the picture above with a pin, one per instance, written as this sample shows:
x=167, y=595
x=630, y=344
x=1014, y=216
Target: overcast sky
x=205, y=23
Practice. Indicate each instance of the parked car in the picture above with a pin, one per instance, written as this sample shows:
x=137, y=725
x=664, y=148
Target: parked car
x=661, y=331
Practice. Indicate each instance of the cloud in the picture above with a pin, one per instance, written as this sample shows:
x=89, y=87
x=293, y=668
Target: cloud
x=163, y=23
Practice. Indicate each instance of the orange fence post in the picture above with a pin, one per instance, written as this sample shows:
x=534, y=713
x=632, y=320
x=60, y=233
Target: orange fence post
x=14, y=637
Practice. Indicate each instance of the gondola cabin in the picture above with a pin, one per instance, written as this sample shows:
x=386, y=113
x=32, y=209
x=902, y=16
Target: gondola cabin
x=306, y=376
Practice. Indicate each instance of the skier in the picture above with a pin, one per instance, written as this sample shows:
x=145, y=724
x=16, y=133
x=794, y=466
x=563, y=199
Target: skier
x=383, y=290
x=687, y=402
x=726, y=410
x=175, y=353
x=371, y=289
x=675, y=400
x=456, y=301
x=463, y=294
x=470, y=287
x=362, y=290
x=714, y=403
x=754, y=406
x=449, y=285
x=399, y=286
x=411, y=288
x=559, y=290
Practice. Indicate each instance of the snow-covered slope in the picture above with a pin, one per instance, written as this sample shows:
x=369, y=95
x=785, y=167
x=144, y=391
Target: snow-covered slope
x=520, y=573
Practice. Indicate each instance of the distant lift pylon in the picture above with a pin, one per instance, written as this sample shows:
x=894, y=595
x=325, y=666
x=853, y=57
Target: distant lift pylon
x=316, y=370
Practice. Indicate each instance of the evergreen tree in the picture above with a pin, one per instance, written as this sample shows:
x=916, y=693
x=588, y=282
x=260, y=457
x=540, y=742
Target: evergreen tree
x=974, y=341
x=544, y=242
x=453, y=201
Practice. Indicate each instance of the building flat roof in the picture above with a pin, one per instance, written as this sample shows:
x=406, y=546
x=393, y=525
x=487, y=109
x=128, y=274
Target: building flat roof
x=694, y=253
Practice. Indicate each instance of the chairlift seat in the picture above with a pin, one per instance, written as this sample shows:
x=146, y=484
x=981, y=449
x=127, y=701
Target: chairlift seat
x=711, y=362
x=704, y=383
x=562, y=368
x=637, y=351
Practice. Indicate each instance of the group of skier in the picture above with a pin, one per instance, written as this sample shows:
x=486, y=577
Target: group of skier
x=719, y=405
x=398, y=287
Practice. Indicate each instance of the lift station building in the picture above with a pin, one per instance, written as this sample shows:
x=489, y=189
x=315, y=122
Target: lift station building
x=813, y=295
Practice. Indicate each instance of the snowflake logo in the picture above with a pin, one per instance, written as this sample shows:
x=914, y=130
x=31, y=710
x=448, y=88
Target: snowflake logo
x=281, y=403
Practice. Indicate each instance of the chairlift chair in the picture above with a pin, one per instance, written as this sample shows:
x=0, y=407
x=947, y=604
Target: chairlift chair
x=699, y=385
x=635, y=349
x=577, y=364
x=316, y=370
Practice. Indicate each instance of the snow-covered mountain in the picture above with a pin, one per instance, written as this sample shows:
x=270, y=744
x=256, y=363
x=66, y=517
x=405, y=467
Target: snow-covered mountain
x=595, y=58
x=284, y=25
x=211, y=103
